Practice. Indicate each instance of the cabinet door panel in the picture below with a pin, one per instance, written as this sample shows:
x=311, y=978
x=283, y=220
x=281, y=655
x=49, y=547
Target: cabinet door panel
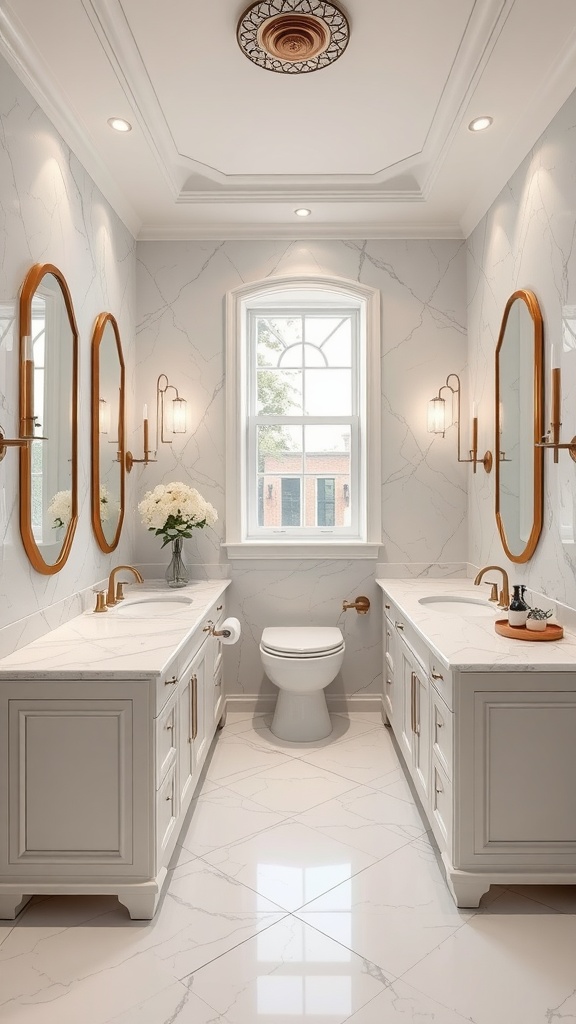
x=407, y=730
x=526, y=758
x=71, y=780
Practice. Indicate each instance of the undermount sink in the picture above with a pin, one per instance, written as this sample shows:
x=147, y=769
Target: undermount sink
x=453, y=604
x=152, y=607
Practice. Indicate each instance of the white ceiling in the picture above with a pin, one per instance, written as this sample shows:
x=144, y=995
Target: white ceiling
x=375, y=145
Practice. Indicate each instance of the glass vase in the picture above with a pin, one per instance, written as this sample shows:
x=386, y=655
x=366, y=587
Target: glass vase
x=177, y=574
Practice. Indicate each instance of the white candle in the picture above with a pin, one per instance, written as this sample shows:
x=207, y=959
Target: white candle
x=145, y=413
x=553, y=362
x=474, y=410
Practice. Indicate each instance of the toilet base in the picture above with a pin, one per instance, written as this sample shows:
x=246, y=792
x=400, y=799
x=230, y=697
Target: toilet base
x=301, y=717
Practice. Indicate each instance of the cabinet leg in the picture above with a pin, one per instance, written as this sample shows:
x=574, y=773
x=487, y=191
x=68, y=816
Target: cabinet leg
x=467, y=892
x=222, y=721
x=140, y=908
x=11, y=904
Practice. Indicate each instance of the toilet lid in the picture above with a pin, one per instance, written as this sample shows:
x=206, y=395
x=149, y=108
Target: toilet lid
x=301, y=639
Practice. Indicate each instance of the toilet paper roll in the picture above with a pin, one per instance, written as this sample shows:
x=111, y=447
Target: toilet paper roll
x=231, y=627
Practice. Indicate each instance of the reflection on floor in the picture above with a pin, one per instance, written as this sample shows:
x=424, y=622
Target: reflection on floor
x=304, y=889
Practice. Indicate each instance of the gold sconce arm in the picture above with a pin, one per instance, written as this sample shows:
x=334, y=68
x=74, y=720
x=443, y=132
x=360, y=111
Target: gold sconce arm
x=552, y=438
x=15, y=442
x=178, y=422
x=437, y=424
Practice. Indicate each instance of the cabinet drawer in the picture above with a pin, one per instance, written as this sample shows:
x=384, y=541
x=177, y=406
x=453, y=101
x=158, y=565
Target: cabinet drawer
x=442, y=681
x=165, y=740
x=441, y=805
x=442, y=732
x=166, y=812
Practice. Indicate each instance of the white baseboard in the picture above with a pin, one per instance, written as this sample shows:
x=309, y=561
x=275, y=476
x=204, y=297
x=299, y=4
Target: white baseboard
x=266, y=702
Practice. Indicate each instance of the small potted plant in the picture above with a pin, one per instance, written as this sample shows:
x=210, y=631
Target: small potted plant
x=537, y=619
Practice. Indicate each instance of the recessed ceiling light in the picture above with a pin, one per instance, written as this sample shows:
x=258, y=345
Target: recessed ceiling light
x=479, y=124
x=302, y=212
x=119, y=124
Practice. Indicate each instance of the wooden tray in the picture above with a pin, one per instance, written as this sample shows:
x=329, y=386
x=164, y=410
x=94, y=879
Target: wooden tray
x=552, y=632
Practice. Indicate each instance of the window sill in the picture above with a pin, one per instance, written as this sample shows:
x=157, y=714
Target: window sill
x=346, y=550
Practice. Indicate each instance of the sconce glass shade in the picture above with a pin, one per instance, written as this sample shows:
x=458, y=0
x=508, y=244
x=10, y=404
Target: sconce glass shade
x=178, y=415
x=439, y=416
x=103, y=416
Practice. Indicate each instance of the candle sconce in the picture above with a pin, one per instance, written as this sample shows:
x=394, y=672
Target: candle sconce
x=440, y=418
x=552, y=438
x=177, y=423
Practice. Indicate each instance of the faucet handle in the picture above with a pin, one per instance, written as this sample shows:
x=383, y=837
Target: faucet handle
x=101, y=605
x=120, y=589
x=493, y=591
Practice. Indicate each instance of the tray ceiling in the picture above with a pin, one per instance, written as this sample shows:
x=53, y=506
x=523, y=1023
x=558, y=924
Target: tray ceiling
x=376, y=144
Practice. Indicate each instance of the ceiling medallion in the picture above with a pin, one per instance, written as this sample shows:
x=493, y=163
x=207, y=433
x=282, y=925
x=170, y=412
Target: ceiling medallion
x=293, y=37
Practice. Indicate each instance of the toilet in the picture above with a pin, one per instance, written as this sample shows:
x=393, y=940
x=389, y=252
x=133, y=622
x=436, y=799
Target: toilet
x=301, y=661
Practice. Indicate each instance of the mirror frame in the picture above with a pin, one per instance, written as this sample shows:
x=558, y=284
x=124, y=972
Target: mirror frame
x=97, y=336
x=31, y=282
x=531, y=302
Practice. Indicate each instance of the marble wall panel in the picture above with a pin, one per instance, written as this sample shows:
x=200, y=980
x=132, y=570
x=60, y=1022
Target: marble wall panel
x=51, y=212
x=180, y=299
x=526, y=240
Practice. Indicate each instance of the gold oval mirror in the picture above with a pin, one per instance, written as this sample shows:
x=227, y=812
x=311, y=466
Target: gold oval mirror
x=107, y=432
x=519, y=425
x=48, y=413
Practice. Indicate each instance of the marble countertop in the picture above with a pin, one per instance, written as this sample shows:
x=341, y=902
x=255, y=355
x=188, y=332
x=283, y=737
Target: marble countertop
x=468, y=642
x=112, y=645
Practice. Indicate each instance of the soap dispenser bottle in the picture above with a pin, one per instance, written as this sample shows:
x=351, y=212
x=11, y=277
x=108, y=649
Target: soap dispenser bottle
x=518, y=610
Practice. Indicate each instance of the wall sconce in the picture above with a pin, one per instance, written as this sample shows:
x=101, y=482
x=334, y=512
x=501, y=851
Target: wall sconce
x=556, y=422
x=177, y=418
x=270, y=490
x=440, y=418
x=177, y=423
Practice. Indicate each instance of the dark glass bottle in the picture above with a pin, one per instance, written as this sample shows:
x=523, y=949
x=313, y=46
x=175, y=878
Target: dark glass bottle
x=518, y=610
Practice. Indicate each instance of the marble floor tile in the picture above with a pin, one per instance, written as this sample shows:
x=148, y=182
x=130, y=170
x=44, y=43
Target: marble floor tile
x=288, y=973
x=402, y=1004
x=365, y=759
x=367, y=819
x=223, y=817
x=393, y=913
x=205, y=914
x=292, y=787
x=290, y=864
x=558, y=897
x=176, y=1004
x=502, y=968
x=236, y=757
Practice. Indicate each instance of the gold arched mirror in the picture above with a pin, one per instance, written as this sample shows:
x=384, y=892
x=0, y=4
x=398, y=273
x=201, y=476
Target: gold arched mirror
x=48, y=413
x=107, y=432
x=519, y=426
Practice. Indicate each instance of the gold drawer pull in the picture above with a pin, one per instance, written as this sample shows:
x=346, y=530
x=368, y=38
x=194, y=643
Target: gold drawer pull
x=399, y=625
x=439, y=789
x=168, y=798
x=387, y=607
x=171, y=682
x=194, y=706
x=169, y=727
x=220, y=607
x=437, y=675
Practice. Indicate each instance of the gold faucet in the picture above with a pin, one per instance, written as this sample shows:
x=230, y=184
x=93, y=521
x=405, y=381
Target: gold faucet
x=505, y=592
x=112, y=597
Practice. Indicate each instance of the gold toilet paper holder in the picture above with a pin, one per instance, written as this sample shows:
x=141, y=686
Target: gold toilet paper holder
x=361, y=604
x=210, y=628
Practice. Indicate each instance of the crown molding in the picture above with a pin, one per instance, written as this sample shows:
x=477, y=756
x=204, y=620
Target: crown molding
x=337, y=232
x=31, y=69
x=309, y=195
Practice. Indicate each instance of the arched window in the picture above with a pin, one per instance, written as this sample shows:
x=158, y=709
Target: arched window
x=303, y=419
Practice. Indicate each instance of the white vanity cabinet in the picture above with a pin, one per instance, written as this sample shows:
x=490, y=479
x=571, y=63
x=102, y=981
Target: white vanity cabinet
x=97, y=774
x=491, y=749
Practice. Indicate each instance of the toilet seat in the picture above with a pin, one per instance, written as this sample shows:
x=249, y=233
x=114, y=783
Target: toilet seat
x=301, y=641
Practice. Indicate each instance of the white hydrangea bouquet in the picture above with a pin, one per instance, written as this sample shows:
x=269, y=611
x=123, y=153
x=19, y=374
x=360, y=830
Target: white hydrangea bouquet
x=173, y=510
x=60, y=509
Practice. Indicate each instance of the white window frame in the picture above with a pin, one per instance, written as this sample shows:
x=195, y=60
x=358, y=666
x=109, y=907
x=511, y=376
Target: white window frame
x=302, y=292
